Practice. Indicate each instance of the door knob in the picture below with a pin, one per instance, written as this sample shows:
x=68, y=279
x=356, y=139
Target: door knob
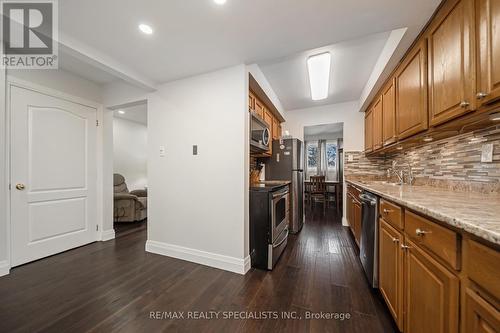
x=20, y=187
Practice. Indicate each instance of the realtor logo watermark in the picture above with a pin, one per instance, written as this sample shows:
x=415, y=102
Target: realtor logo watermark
x=29, y=34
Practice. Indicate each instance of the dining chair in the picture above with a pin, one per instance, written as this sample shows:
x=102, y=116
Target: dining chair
x=318, y=191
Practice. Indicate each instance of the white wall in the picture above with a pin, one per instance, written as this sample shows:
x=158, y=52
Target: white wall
x=197, y=203
x=347, y=113
x=130, y=152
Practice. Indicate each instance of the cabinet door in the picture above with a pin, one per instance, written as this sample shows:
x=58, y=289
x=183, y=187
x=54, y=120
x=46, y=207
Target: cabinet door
x=251, y=101
x=391, y=270
x=411, y=93
x=389, y=114
x=480, y=316
x=369, y=131
x=377, y=124
x=348, y=215
x=488, y=46
x=276, y=131
x=259, y=107
x=431, y=294
x=450, y=56
x=357, y=221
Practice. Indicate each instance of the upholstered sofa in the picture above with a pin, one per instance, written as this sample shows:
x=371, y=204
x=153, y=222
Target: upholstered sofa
x=128, y=206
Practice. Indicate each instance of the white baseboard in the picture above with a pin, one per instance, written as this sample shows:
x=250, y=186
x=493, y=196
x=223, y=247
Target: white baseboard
x=235, y=265
x=107, y=235
x=344, y=222
x=4, y=268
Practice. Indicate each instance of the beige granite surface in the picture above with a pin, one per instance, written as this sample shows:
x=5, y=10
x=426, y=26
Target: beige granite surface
x=475, y=213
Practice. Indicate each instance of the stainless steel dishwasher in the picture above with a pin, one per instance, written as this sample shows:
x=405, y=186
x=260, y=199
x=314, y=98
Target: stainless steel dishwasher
x=368, y=251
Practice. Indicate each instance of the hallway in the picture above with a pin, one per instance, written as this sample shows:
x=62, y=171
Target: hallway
x=113, y=286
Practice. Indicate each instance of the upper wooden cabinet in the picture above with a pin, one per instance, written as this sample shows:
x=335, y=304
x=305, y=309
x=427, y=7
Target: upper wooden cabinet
x=389, y=113
x=450, y=62
x=488, y=50
x=251, y=101
x=259, y=107
x=411, y=93
x=369, y=131
x=377, y=124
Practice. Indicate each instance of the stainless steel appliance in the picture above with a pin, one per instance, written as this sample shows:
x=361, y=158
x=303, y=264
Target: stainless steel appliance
x=268, y=224
x=368, y=250
x=259, y=133
x=287, y=163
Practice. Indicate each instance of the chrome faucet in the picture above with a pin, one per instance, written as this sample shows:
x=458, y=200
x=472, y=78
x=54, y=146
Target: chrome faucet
x=395, y=169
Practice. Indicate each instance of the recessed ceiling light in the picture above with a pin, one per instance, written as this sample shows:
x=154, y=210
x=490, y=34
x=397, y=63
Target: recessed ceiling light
x=318, y=67
x=146, y=29
x=121, y=112
x=220, y=2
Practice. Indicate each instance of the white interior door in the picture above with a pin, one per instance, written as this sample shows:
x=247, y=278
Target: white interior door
x=53, y=175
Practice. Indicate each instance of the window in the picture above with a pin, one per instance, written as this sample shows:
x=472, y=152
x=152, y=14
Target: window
x=331, y=155
x=312, y=156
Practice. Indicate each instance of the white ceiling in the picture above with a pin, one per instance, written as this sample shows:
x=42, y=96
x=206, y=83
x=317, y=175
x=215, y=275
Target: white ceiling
x=197, y=36
x=352, y=63
x=137, y=113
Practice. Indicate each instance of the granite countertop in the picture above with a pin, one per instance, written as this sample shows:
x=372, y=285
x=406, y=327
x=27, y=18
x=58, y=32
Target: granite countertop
x=475, y=213
x=269, y=185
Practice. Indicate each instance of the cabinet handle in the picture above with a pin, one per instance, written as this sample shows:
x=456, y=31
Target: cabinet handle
x=421, y=232
x=405, y=247
x=395, y=240
x=464, y=104
x=387, y=211
x=481, y=95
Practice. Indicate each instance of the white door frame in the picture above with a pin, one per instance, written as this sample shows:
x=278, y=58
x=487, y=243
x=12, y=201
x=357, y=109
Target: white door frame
x=11, y=81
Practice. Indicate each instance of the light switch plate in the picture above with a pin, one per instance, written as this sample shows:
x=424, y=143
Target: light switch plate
x=162, y=151
x=487, y=153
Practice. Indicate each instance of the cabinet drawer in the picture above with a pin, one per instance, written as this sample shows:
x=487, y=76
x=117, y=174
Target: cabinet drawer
x=483, y=267
x=441, y=241
x=392, y=214
x=354, y=191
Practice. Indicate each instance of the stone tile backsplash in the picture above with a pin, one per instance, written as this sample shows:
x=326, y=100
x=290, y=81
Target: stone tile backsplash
x=455, y=160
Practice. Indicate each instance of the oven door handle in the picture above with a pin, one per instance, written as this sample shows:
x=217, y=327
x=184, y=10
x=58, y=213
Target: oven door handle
x=283, y=240
x=280, y=194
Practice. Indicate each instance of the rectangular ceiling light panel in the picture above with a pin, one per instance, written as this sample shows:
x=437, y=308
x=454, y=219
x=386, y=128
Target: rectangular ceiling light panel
x=318, y=67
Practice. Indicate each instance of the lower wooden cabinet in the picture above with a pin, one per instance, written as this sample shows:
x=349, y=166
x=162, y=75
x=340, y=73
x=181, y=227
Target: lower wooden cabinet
x=480, y=316
x=357, y=221
x=432, y=294
x=391, y=270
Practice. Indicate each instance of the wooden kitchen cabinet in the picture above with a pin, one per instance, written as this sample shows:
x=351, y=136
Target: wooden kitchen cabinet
x=260, y=108
x=276, y=129
x=411, y=93
x=480, y=316
x=251, y=101
x=389, y=113
x=432, y=294
x=369, y=131
x=488, y=50
x=377, y=125
x=391, y=270
x=357, y=221
x=450, y=62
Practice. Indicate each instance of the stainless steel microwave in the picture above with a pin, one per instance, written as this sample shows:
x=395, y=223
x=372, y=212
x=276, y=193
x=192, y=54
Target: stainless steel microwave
x=259, y=133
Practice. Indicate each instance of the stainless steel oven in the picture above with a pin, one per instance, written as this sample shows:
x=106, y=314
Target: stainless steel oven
x=279, y=212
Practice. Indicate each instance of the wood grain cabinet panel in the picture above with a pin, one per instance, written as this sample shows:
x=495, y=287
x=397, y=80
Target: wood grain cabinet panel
x=411, y=93
x=483, y=267
x=480, y=316
x=389, y=113
x=377, y=124
x=432, y=294
x=357, y=221
x=369, y=131
x=488, y=50
x=251, y=102
x=391, y=270
x=450, y=59
x=259, y=108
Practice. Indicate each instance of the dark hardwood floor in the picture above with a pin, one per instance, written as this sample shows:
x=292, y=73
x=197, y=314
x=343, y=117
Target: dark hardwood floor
x=114, y=286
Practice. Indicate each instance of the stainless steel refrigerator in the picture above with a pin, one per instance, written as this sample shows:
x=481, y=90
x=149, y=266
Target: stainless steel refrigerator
x=287, y=163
